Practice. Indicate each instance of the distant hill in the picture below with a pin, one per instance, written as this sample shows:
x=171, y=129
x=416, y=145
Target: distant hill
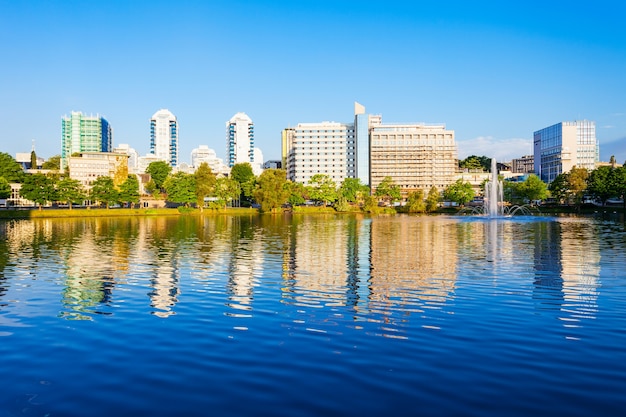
x=616, y=148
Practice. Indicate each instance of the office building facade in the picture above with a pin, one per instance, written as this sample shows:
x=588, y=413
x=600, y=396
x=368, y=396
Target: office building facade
x=82, y=133
x=319, y=148
x=164, y=137
x=560, y=147
x=523, y=165
x=416, y=156
x=240, y=140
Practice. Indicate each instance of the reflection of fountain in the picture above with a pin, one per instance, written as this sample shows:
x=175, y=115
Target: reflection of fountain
x=493, y=203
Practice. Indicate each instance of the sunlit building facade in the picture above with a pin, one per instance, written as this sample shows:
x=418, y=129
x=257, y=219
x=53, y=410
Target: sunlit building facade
x=416, y=156
x=240, y=140
x=164, y=137
x=204, y=154
x=82, y=133
x=563, y=146
x=88, y=166
x=319, y=148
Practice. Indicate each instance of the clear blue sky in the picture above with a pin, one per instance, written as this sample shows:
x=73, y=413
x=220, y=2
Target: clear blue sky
x=492, y=71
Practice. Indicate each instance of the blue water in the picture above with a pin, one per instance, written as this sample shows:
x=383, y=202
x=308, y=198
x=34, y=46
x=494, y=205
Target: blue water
x=313, y=316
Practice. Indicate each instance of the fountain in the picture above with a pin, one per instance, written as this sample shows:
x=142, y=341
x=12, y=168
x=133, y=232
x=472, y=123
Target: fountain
x=493, y=202
x=492, y=205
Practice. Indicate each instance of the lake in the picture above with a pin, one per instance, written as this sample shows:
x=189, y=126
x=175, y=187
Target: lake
x=313, y=315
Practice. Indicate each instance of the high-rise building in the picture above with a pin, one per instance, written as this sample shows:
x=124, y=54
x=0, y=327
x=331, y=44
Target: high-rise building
x=560, y=147
x=319, y=148
x=416, y=156
x=164, y=137
x=82, y=133
x=240, y=140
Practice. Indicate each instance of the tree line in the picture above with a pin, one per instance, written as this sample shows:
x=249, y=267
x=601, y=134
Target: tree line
x=271, y=190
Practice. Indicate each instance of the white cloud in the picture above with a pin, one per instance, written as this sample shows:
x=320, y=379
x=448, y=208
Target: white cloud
x=501, y=149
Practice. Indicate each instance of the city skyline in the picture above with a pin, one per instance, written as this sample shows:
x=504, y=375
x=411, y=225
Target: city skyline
x=493, y=73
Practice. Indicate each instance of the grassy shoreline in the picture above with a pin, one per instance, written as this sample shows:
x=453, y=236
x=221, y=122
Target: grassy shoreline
x=35, y=213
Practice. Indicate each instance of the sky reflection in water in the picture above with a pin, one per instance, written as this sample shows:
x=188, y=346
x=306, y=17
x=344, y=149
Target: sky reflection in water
x=310, y=315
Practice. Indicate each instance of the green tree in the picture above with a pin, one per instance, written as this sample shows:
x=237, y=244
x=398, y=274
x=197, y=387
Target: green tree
x=387, y=190
x=370, y=205
x=53, y=163
x=38, y=188
x=70, y=191
x=460, y=192
x=181, y=188
x=476, y=162
x=559, y=187
x=432, y=200
x=205, y=183
x=603, y=182
x=297, y=193
x=415, y=202
x=129, y=191
x=226, y=190
x=532, y=188
x=620, y=180
x=5, y=188
x=243, y=174
x=103, y=191
x=322, y=188
x=353, y=190
x=33, y=159
x=159, y=171
x=270, y=191
x=471, y=163
x=10, y=169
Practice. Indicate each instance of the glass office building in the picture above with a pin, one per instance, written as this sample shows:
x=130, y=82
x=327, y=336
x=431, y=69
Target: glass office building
x=82, y=133
x=560, y=147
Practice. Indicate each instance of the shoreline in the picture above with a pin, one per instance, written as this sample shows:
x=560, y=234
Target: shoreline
x=36, y=213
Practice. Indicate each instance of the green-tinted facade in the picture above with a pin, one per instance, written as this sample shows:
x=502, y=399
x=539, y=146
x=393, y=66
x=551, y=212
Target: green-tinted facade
x=81, y=133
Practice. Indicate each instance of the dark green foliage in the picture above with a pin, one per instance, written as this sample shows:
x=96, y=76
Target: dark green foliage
x=5, y=188
x=129, y=190
x=270, y=191
x=70, y=191
x=181, y=188
x=159, y=171
x=388, y=190
x=10, y=169
x=460, y=192
x=53, y=163
x=103, y=191
x=38, y=188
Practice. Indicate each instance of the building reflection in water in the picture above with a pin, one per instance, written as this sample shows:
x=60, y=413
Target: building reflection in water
x=389, y=266
x=377, y=265
x=245, y=265
x=159, y=248
x=413, y=263
x=567, y=265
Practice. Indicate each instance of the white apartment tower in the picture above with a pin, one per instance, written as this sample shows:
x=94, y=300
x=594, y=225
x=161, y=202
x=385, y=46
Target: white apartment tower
x=164, y=137
x=240, y=140
x=319, y=148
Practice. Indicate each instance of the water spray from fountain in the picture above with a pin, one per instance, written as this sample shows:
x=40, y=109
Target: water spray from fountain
x=492, y=205
x=493, y=201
